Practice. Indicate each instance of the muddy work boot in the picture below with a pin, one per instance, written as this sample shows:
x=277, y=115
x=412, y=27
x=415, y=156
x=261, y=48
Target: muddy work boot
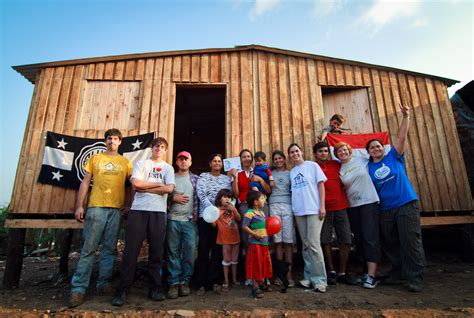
x=75, y=300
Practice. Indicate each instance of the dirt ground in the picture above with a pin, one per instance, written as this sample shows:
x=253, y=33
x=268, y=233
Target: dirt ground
x=449, y=291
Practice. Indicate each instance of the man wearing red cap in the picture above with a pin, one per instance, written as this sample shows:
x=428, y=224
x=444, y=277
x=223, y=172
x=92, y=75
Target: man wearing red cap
x=181, y=229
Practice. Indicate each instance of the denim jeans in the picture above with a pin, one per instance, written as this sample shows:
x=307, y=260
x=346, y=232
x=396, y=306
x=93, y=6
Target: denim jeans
x=309, y=227
x=181, y=246
x=101, y=225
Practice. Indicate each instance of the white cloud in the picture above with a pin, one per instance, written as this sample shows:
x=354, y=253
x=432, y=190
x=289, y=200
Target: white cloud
x=263, y=6
x=384, y=12
x=325, y=7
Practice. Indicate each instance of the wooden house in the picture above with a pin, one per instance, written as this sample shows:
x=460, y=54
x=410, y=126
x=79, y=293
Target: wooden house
x=224, y=100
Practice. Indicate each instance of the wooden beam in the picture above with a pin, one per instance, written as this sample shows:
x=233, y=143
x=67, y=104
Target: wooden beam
x=14, y=262
x=447, y=220
x=43, y=224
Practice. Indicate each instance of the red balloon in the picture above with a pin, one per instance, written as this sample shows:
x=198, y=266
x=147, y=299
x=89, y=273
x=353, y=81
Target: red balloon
x=273, y=225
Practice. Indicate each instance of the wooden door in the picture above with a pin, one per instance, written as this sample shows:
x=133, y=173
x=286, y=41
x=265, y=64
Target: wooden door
x=353, y=104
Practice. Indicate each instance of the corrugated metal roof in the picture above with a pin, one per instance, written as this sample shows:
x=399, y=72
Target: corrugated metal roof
x=31, y=70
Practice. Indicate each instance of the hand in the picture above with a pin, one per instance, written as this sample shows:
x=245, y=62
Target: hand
x=124, y=211
x=256, y=178
x=233, y=172
x=195, y=217
x=404, y=109
x=79, y=214
x=259, y=237
x=322, y=213
x=180, y=198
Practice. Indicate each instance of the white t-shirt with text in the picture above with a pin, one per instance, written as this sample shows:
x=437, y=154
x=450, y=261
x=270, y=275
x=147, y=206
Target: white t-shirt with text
x=151, y=171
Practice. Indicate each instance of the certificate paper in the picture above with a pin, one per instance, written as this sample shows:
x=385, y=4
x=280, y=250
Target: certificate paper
x=230, y=163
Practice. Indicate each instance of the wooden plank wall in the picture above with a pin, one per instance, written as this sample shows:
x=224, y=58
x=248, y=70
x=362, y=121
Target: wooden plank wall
x=272, y=100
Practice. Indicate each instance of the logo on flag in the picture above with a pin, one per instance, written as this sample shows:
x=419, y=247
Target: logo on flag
x=65, y=156
x=358, y=142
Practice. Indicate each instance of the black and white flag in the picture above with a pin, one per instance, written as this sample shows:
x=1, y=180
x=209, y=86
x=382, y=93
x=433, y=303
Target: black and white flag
x=65, y=156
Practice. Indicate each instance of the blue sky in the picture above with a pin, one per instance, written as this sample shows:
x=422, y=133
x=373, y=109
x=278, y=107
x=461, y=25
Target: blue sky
x=433, y=37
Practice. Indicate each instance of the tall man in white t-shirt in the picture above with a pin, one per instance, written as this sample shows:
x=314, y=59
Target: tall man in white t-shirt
x=152, y=180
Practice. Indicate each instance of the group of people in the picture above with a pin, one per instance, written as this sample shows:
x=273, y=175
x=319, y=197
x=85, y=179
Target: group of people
x=370, y=198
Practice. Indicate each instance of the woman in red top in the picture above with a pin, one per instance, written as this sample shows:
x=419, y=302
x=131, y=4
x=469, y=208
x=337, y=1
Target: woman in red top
x=244, y=177
x=241, y=186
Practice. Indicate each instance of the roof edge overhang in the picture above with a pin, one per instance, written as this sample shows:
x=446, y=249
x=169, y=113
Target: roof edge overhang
x=30, y=71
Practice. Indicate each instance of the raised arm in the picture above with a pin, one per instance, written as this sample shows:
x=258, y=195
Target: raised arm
x=235, y=182
x=403, y=130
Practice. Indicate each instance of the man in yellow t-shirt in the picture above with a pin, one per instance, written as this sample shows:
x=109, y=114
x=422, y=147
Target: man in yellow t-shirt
x=109, y=170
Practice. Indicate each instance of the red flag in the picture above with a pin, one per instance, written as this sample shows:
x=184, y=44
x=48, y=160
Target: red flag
x=359, y=141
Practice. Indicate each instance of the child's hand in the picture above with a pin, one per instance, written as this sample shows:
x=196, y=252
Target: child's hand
x=258, y=179
x=259, y=237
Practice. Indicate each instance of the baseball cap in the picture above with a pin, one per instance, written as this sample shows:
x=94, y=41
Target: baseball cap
x=184, y=154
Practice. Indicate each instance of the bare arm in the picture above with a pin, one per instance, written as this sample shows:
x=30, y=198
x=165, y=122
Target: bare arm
x=151, y=187
x=250, y=232
x=322, y=197
x=81, y=196
x=129, y=194
x=235, y=182
x=142, y=186
x=403, y=130
x=265, y=185
x=324, y=135
x=234, y=211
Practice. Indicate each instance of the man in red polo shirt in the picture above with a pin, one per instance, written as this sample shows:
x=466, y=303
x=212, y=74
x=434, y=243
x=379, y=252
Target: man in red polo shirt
x=336, y=216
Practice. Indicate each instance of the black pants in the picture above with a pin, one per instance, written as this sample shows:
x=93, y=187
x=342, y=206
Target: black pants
x=402, y=242
x=365, y=224
x=209, y=261
x=143, y=225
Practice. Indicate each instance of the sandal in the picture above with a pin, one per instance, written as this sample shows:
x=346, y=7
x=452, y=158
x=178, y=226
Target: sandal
x=225, y=288
x=257, y=293
x=236, y=284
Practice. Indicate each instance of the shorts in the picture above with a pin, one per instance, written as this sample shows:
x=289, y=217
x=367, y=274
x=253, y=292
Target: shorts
x=230, y=254
x=339, y=221
x=283, y=212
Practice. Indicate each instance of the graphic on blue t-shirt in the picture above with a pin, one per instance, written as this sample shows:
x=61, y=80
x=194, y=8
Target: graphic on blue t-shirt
x=382, y=173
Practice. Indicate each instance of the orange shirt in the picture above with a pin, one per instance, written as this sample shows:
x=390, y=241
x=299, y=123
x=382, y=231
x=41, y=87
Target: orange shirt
x=227, y=228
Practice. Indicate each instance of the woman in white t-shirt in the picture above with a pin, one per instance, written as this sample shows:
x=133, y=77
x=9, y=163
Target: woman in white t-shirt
x=307, y=202
x=363, y=208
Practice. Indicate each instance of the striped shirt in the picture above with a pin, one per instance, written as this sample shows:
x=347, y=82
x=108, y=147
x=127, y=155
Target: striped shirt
x=207, y=187
x=255, y=220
